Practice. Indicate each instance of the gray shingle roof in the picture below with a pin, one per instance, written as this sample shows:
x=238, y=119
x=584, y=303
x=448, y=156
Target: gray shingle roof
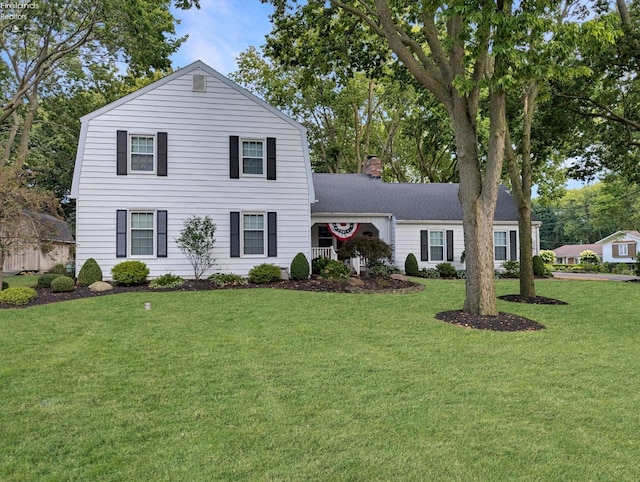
x=51, y=229
x=358, y=193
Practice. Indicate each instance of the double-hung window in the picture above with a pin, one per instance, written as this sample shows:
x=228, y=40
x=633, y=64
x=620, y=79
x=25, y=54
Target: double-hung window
x=623, y=250
x=436, y=245
x=142, y=233
x=253, y=234
x=142, y=153
x=500, y=245
x=253, y=157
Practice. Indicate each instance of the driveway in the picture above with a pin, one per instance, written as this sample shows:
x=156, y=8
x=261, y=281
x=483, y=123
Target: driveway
x=593, y=276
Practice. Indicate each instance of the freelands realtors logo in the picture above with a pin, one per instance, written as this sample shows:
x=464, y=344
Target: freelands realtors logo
x=15, y=11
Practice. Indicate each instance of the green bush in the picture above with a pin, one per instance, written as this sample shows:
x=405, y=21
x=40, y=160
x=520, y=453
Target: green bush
x=538, y=266
x=166, y=281
x=334, y=270
x=511, y=269
x=381, y=269
x=636, y=266
x=299, y=267
x=227, y=279
x=318, y=264
x=589, y=257
x=411, y=265
x=45, y=280
x=58, y=269
x=18, y=295
x=89, y=273
x=130, y=273
x=548, y=256
x=446, y=270
x=5, y=285
x=374, y=250
x=430, y=273
x=264, y=273
x=63, y=284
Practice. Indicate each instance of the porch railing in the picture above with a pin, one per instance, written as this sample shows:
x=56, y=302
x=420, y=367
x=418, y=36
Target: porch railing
x=328, y=253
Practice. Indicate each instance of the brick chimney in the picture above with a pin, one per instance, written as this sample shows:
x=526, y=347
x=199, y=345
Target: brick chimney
x=373, y=167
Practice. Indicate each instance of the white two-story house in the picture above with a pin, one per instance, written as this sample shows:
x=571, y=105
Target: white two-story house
x=196, y=144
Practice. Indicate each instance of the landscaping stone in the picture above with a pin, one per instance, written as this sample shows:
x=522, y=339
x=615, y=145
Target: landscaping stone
x=356, y=282
x=100, y=286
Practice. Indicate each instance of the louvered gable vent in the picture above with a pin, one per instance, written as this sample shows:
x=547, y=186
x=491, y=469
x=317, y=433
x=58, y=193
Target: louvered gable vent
x=199, y=83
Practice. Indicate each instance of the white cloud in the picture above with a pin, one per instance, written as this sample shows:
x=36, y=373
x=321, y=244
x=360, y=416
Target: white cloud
x=220, y=30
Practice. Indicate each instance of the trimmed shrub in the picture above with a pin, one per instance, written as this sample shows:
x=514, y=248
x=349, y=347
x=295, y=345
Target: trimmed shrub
x=264, y=273
x=334, y=270
x=318, y=264
x=511, y=268
x=45, y=280
x=589, y=257
x=63, y=284
x=446, y=270
x=58, y=269
x=227, y=279
x=381, y=269
x=411, y=265
x=538, y=266
x=166, y=281
x=89, y=273
x=430, y=273
x=18, y=295
x=548, y=256
x=130, y=273
x=299, y=267
x=5, y=285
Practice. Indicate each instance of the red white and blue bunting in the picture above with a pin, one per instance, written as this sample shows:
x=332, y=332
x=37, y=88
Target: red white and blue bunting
x=343, y=231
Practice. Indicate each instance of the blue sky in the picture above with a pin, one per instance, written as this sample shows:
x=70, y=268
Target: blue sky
x=220, y=30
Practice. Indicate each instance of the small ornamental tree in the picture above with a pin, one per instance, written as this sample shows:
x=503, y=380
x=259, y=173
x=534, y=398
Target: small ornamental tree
x=589, y=257
x=196, y=243
x=299, y=267
x=411, y=267
x=548, y=256
x=373, y=250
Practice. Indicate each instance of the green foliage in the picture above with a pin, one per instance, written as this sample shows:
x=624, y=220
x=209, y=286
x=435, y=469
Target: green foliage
x=264, y=273
x=538, y=266
x=430, y=273
x=196, y=242
x=166, y=281
x=636, y=266
x=18, y=295
x=511, y=269
x=446, y=270
x=411, y=265
x=89, y=273
x=381, y=269
x=5, y=285
x=548, y=256
x=63, y=284
x=333, y=269
x=130, y=273
x=227, y=279
x=45, y=280
x=58, y=269
x=373, y=249
x=589, y=257
x=299, y=267
x=318, y=264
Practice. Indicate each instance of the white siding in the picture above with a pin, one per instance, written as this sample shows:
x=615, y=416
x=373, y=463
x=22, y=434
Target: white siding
x=198, y=125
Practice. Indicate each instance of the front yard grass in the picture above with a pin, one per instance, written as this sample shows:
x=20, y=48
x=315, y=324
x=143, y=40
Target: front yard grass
x=285, y=385
x=30, y=280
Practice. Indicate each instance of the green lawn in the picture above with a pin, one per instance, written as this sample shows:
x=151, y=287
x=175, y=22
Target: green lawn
x=285, y=385
x=22, y=280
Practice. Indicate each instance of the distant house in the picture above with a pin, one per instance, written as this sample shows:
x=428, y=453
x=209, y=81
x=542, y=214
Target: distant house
x=620, y=247
x=570, y=253
x=50, y=244
x=195, y=143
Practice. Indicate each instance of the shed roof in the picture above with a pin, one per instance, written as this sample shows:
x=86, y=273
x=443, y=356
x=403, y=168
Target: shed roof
x=574, y=250
x=49, y=228
x=359, y=193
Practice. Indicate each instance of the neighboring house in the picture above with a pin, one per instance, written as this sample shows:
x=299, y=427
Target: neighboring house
x=570, y=253
x=620, y=247
x=195, y=143
x=50, y=243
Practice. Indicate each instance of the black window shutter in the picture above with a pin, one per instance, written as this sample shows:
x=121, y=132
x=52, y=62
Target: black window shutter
x=271, y=158
x=235, y=234
x=162, y=234
x=449, y=245
x=234, y=157
x=424, y=245
x=513, y=253
x=121, y=152
x=121, y=233
x=272, y=233
x=162, y=153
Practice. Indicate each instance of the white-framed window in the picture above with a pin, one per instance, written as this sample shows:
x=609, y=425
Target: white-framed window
x=142, y=153
x=623, y=250
x=142, y=229
x=500, y=245
x=253, y=234
x=436, y=245
x=325, y=238
x=253, y=157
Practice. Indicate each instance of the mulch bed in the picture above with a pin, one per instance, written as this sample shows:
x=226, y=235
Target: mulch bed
x=501, y=322
x=536, y=300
